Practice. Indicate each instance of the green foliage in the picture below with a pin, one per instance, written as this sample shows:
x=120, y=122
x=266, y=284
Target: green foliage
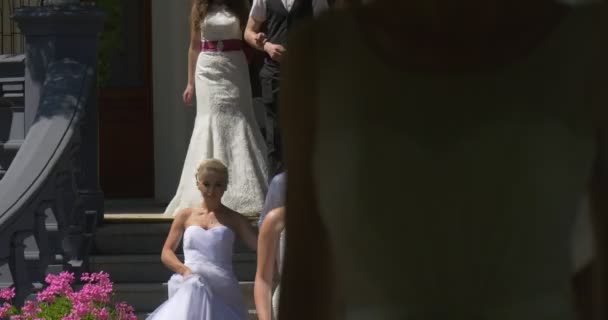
x=111, y=39
x=56, y=310
x=13, y=310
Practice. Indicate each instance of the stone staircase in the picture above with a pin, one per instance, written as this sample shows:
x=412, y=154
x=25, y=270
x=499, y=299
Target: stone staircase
x=128, y=247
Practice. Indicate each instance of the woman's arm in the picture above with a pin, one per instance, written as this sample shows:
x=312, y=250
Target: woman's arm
x=195, y=46
x=267, y=252
x=168, y=256
x=305, y=293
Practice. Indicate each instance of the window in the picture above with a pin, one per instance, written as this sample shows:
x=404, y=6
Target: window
x=12, y=40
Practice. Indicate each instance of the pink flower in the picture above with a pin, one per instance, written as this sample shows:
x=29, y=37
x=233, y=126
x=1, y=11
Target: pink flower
x=7, y=294
x=125, y=311
x=124, y=307
x=101, y=314
x=90, y=302
x=97, y=289
x=91, y=293
x=59, y=285
x=80, y=309
x=100, y=277
x=4, y=310
x=30, y=309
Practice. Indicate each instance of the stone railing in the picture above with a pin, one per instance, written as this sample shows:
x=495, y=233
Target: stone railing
x=50, y=200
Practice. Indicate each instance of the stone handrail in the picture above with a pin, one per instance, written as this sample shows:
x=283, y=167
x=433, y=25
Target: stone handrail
x=39, y=195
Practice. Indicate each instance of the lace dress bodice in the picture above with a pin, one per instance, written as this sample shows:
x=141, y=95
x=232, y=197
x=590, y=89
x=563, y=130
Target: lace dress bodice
x=220, y=24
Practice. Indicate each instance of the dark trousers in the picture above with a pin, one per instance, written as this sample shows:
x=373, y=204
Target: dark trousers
x=269, y=83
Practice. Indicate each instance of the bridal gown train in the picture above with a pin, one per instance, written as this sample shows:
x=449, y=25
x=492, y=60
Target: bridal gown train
x=212, y=292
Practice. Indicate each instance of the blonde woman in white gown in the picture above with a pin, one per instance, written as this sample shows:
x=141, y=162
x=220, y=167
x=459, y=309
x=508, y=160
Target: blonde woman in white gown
x=225, y=127
x=204, y=286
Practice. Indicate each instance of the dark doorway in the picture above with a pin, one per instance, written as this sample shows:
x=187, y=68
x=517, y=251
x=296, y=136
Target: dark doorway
x=125, y=110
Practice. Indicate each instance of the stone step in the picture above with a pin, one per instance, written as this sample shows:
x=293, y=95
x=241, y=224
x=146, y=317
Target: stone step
x=146, y=297
x=148, y=268
x=12, y=66
x=138, y=238
x=130, y=238
x=143, y=315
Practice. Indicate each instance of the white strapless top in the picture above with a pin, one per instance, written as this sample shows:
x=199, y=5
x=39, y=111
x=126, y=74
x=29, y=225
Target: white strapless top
x=220, y=24
x=453, y=196
x=210, y=246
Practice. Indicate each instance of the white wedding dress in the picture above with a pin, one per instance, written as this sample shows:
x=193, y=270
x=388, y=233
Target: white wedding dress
x=212, y=292
x=225, y=127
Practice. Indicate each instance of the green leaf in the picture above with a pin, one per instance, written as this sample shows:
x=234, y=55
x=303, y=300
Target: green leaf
x=110, y=39
x=55, y=311
x=13, y=311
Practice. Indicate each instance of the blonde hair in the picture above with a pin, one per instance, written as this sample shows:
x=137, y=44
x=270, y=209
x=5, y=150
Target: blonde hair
x=213, y=165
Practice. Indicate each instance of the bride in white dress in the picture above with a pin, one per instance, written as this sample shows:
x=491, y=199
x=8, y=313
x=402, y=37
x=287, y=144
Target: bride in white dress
x=205, y=286
x=438, y=152
x=225, y=127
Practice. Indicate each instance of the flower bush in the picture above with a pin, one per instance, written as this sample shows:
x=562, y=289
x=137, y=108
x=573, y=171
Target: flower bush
x=59, y=301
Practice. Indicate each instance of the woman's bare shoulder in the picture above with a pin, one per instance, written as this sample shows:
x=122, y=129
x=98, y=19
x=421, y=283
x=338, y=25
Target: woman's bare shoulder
x=275, y=218
x=183, y=215
x=276, y=213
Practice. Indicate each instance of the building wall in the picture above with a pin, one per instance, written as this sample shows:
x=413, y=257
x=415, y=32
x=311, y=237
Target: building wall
x=173, y=122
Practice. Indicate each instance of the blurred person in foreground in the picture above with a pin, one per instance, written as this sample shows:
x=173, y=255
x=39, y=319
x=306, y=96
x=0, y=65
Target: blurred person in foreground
x=438, y=152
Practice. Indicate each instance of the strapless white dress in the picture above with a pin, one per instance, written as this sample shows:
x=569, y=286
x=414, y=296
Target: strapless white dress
x=212, y=292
